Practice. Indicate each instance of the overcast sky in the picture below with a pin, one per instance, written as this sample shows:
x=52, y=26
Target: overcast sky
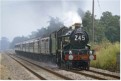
x=21, y=17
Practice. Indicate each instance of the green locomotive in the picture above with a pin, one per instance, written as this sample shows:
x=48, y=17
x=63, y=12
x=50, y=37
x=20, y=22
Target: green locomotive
x=67, y=47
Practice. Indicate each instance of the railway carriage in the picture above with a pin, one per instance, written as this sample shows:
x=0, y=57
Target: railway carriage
x=67, y=47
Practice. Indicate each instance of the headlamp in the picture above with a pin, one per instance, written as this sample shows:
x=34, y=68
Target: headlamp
x=91, y=57
x=70, y=57
x=70, y=52
x=90, y=52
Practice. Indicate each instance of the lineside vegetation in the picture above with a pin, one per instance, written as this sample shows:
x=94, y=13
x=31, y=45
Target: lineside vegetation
x=107, y=56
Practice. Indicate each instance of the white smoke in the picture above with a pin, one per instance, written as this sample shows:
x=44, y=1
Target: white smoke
x=70, y=13
x=71, y=17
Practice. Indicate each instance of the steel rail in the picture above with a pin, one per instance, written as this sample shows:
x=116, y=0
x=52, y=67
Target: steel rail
x=49, y=70
x=36, y=74
x=105, y=74
x=89, y=75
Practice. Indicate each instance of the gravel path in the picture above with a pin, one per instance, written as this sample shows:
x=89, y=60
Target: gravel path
x=11, y=70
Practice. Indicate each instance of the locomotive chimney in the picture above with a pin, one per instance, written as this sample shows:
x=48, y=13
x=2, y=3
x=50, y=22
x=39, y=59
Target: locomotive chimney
x=76, y=25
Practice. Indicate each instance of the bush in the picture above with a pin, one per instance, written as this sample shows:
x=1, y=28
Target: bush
x=106, y=55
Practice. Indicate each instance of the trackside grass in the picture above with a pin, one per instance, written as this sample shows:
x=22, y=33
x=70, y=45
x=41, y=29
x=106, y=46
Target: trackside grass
x=107, y=56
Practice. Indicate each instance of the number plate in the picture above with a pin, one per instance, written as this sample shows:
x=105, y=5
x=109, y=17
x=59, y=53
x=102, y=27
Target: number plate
x=79, y=37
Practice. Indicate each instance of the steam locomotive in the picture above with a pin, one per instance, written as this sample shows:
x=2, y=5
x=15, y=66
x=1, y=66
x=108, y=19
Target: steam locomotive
x=67, y=47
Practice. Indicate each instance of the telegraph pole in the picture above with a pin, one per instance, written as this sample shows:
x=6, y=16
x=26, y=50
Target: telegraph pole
x=93, y=37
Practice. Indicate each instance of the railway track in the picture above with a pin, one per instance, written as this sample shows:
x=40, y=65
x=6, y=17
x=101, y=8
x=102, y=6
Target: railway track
x=97, y=75
x=91, y=73
x=105, y=74
x=37, y=75
x=40, y=71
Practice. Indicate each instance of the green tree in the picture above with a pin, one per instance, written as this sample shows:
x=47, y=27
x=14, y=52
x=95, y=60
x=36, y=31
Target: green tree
x=98, y=27
x=111, y=26
x=99, y=31
x=87, y=23
x=107, y=27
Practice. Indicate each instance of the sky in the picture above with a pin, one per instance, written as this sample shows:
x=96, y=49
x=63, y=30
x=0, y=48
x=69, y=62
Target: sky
x=21, y=17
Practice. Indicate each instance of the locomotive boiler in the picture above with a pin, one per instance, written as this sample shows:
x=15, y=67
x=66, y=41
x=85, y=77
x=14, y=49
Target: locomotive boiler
x=67, y=47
